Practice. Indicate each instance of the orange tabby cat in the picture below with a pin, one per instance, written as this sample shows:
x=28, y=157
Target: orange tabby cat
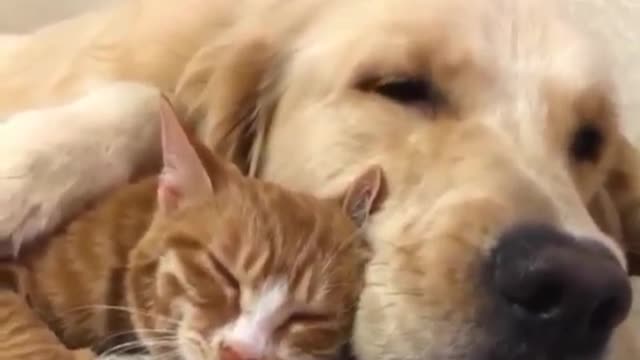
x=199, y=263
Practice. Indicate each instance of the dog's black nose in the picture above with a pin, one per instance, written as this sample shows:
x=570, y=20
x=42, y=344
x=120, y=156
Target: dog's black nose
x=556, y=292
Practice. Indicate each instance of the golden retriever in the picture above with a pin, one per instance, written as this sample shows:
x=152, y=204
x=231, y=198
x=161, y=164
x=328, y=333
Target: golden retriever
x=494, y=120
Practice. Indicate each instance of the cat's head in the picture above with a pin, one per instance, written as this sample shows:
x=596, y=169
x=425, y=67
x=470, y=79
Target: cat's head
x=234, y=268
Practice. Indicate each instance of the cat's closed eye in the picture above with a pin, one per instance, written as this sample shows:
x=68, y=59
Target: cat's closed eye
x=229, y=279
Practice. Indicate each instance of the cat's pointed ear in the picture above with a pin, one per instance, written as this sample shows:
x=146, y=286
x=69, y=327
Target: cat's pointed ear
x=184, y=178
x=365, y=195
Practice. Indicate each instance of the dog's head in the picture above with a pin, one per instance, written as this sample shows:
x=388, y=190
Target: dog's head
x=496, y=125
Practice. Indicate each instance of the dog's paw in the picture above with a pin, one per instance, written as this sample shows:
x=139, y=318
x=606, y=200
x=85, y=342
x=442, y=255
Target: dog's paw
x=26, y=207
x=38, y=191
x=45, y=177
x=53, y=161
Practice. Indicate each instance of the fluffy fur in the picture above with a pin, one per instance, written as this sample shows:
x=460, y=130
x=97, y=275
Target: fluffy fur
x=198, y=263
x=299, y=94
x=112, y=110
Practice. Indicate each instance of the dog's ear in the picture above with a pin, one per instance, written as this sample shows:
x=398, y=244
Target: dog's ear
x=621, y=197
x=229, y=87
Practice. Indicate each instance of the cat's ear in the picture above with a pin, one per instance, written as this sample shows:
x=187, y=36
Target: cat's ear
x=183, y=179
x=365, y=195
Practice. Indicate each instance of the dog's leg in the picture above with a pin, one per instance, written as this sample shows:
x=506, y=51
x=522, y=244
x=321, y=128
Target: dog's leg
x=55, y=160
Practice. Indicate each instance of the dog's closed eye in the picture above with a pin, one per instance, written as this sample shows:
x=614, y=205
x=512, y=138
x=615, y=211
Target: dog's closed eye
x=405, y=90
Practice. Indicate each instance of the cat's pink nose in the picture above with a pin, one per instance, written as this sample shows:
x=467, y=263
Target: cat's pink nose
x=238, y=351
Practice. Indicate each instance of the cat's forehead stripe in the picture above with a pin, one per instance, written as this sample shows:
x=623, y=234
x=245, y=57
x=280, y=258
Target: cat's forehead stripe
x=268, y=232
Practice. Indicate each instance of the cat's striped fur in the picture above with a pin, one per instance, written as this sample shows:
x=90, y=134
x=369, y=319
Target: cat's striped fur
x=183, y=264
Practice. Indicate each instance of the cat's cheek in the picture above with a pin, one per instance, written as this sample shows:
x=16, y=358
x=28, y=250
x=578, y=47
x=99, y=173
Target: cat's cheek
x=173, y=296
x=192, y=335
x=207, y=326
x=167, y=286
x=203, y=308
x=210, y=320
x=313, y=342
x=182, y=275
x=290, y=353
x=170, y=289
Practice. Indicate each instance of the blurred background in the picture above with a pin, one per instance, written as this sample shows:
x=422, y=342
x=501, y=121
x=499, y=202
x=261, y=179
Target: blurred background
x=25, y=15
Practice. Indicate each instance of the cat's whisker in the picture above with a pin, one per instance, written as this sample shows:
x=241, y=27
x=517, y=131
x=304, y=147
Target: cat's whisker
x=126, y=310
x=164, y=345
x=124, y=347
x=168, y=337
x=77, y=311
x=196, y=344
x=169, y=355
x=133, y=312
x=140, y=345
x=146, y=332
x=329, y=261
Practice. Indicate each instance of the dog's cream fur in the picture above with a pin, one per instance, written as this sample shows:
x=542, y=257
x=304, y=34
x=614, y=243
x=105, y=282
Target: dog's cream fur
x=275, y=86
x=99, y=154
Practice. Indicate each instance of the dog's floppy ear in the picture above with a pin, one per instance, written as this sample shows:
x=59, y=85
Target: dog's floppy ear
x=229, y=87
x=622, y=198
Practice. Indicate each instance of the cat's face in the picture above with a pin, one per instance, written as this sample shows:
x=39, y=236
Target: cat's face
x=270, y=277
x=233, y=268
